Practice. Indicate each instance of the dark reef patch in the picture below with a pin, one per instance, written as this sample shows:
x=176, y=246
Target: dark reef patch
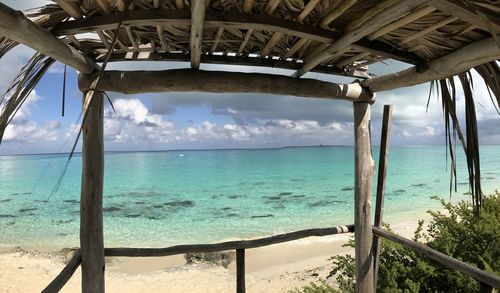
x=226, y=208
x=272, y=197
x=232, y=215
x=285, y=193
x=347, y=189
x=132, y=215
x=182, y=203
x=112, y=209
x=297, y=180
x=400, y=191
x=299, y=196
x=259, y=183
x=419, y=185
x=139, y=202
x=71, y=201
x=262, y=216
x=27, y=210
x=7, y=216
x=41, y=200
x=157, y=206
x=7, y=200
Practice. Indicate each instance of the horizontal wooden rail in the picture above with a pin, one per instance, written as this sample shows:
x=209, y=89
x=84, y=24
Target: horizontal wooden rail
x=229, y=245
x=64, y=276
x=445, y=260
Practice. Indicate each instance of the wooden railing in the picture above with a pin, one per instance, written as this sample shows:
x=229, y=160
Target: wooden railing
x=487, y=280
x=239, y=246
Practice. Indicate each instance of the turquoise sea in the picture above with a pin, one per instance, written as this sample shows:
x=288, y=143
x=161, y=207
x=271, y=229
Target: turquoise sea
x=157, y=199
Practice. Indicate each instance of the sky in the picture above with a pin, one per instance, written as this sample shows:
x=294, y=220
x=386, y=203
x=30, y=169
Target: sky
x=205, y=121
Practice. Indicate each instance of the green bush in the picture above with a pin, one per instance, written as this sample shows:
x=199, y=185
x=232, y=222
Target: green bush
x=457, y=232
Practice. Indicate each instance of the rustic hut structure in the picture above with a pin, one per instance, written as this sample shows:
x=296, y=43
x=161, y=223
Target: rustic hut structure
x=441, y=38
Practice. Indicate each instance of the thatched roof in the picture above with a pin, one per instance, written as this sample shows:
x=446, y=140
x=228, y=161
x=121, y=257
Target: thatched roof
x=278, y=33
x=442, y=38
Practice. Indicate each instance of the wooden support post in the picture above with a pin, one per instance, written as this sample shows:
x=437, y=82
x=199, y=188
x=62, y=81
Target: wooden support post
x=240, y=271
x=364, y=168
x=91, y=222
x=382, y=173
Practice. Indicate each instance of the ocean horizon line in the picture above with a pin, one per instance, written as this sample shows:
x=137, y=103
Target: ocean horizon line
x=223, y=149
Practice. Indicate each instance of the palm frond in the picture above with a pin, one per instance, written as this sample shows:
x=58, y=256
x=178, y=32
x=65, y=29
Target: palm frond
x=490, y=73
x=21, y=87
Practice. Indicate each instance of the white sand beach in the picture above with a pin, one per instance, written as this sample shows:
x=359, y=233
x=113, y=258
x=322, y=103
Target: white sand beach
x=276, y=268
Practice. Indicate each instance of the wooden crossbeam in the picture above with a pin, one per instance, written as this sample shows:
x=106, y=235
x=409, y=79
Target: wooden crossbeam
x=352, y=59
x=105, y=6
x=132, y=38
x=271, y=6
x=477, y=53
x=187, y=80
x=455, y=8
x=248, y=5
x=428, y=29
x=299, y=44
x=104, y=40
x=161, y=36
x=401, y=22
x=233, y=60
x=16, y=26
x=379, y=20
x=180, y=4
x=71, y=8
x=197, y=19
x=218, y=36
x=307, y=9
x=270, y=44
x=240, y=21
x=338, y=11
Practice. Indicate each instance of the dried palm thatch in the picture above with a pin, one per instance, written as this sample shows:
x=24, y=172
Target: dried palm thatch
x=330, y=36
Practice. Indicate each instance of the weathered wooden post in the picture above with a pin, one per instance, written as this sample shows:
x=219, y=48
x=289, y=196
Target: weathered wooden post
x=385, y=138
x=240, y=271
x=364, y=169
x=91, y=218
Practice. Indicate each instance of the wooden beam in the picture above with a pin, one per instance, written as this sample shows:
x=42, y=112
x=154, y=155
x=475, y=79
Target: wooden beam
x=91, y=218
x=17, y=27
x=161, y=37
x=218, y=36
x=71, y=8
x=472, y=55
x=232, y=60
x=197, y=19
x=270, y=44
x=104, y=39
x=299, y=44
x=428, y=29
x=229, y=245
x=385, y=138
x=364, y=169
x=131, y=37
x=349, y=37
x=447, y=261
x=243, y=44
x=352, y=59
x=240, y=21
x=307, y=9
x=105, y=6
x=180, y=4
x=456, y=9
x=338, y=11
x=401, y=22
x=248, y=5
x=240, y=271
x=58, y=283
x=186, y=80
x=271, y=6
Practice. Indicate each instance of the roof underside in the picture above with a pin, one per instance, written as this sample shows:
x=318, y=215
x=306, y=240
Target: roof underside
x=285, y=34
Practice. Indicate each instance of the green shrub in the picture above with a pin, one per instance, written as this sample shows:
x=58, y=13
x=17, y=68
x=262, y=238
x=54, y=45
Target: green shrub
x=457, y=232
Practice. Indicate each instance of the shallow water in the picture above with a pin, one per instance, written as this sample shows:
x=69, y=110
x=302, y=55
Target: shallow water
x=164, y=198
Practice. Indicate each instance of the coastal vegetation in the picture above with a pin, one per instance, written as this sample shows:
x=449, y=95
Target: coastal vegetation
x=457, y=231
